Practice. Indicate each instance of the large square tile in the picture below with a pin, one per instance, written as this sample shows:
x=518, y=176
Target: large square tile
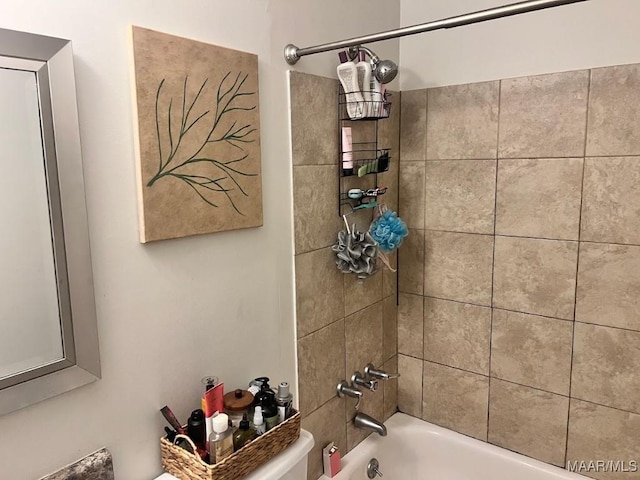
x=410, y=325
x=315, y=203
x=319, y=297
x=598, y=433
x=539, y=198
x=359, y=294
x=605, y=366
x=609, y=285
x=327, y=424
x=410, y=385
x=411, y=263
x=462, y=121
x=535, y=276
x=457, y=334
x=610, y=200
x=363, y=334
x=460, y=195
x=543, y=116
x=456, y=399
x=528, y=421
x=531, y=350
x=458, y=266
x=614, y=109
x=314, y=110
x=321, y=365
x=413, y=124
x=411, y=193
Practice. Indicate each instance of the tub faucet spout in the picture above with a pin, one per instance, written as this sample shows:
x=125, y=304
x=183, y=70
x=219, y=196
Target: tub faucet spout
x=364, y=421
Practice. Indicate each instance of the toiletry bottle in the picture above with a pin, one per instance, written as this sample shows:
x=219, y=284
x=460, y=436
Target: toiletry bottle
x=364, y=83
x=258, y=421
x=244, y=434
x=196, y=429
x=266, y=399
x=284, y=400
x=348, y=76
x=221, y=440
x=255, y=385
x=347, y=152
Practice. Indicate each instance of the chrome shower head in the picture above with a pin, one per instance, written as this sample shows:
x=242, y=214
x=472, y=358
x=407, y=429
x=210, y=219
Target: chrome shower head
x=384, y=70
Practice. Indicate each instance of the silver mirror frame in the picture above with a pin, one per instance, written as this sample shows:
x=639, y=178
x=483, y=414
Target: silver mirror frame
x=51, y=59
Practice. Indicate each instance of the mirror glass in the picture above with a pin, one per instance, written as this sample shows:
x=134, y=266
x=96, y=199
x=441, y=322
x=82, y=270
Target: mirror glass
x=30, y=328
x=48, y=331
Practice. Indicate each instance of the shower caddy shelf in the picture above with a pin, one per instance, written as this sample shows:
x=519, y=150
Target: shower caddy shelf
x=369, y=158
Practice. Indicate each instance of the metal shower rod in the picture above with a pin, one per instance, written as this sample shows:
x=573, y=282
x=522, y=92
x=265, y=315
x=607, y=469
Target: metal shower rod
x=292, y=53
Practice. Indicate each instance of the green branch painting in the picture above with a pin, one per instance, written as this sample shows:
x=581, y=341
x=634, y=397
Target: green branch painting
x=217, y=178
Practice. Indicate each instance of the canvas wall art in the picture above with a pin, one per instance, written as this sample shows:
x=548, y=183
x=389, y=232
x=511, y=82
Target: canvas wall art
x=197, y=109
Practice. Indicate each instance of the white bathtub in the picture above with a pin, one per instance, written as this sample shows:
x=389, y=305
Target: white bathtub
x=417, y=450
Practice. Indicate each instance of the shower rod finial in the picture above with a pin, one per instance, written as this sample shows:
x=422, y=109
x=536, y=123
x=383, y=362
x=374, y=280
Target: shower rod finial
x=291, y=54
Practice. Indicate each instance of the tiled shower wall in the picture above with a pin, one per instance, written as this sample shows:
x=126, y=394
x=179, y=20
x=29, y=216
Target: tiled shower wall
x=341, y=324
x=519, y=316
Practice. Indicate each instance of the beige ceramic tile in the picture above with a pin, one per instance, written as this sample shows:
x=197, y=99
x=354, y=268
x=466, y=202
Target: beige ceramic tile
x=411, y=194
x=535, y=276
x=389, y=277
x=411, y=263
x=456, y=399
x=531, y=350
x=457, y=334
x=410, y=385
x=389, y=328
x=413, y=125
x=528, y=421
x=611, y=197
x=319, y=297
x=372, y=405
x=327, y=425
x=460, y=195
x=364, y=338
x=601, y=433
x=609, y=285
x=543, y=116
x=539, y=198
x=614, y=108
x=458, y=266
x=410, y=324
x=359, y=294
x=605, y=366
x=462, y=121
x=389, y=129
x=314, y=128
x=390, y=388
x=315, y=203
x=321, y=365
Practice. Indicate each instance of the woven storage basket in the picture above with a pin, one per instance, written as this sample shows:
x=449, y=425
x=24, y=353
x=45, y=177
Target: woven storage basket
x=187, y=466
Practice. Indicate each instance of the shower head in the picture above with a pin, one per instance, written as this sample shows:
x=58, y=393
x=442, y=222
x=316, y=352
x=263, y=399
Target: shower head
x=384, y=70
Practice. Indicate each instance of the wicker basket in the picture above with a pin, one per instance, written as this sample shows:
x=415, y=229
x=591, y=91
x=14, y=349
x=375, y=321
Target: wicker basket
x=187, y=466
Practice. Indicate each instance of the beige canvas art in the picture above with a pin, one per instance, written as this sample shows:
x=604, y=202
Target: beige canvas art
x=198, y=153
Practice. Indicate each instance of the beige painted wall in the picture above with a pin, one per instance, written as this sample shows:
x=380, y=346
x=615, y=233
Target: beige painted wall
x=585, y=35
x=174, y=311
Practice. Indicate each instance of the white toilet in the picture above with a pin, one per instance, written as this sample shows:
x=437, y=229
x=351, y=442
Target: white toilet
x=288, y=465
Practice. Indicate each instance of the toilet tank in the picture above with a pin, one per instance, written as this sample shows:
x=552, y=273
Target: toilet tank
x=291, y=464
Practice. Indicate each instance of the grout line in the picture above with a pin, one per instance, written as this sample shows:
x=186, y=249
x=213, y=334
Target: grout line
x=533, y=157
x=607, y=326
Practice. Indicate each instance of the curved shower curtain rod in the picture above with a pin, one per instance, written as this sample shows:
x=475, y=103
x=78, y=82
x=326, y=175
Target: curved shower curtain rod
x=292, y=53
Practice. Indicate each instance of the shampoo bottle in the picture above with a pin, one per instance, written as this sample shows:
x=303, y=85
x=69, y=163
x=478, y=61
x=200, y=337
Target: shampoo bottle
x=221, y=440
x=364, y=83
x=348, y=76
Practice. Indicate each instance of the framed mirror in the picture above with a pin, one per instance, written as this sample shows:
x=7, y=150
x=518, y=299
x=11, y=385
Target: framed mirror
x=48, y=333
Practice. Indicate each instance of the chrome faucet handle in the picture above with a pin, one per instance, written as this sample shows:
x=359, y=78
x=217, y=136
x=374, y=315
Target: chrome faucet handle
x=346, y=390
x=358, y=379
x=371, y=371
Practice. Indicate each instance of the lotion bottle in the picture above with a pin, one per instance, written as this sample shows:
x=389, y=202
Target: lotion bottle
x=364, y=83
x=348, y=76
x=221, y=440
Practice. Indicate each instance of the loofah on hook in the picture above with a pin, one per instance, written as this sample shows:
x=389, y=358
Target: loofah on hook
x=356, y=253
x=388, y=230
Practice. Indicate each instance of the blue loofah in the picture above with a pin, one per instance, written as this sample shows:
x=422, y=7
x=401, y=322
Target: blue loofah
x=388, y=230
